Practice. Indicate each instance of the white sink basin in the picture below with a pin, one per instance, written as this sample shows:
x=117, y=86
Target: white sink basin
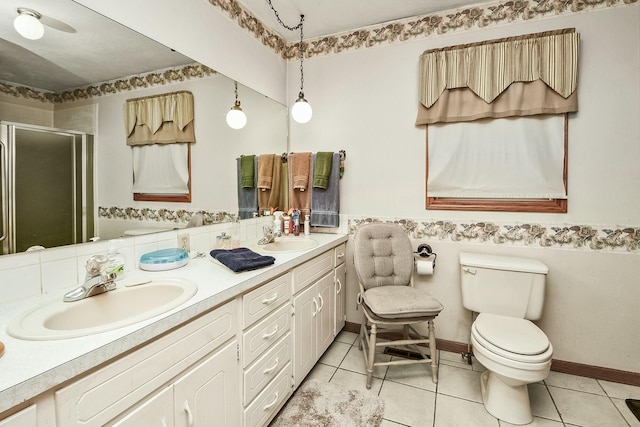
x=289, y=244
x=115, y=309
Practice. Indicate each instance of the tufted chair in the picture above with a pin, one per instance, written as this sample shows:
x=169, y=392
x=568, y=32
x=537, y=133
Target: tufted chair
x=384, y=263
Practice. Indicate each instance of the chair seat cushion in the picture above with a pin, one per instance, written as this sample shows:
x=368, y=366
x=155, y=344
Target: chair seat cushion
x=399, y=302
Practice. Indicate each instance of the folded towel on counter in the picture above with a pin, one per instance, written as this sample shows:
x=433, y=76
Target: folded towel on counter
x=241, y=259
x=322, y=169
x=300, y=168
x=325, y=204
x=265, y=171
x=247, y=167
x=247, y=196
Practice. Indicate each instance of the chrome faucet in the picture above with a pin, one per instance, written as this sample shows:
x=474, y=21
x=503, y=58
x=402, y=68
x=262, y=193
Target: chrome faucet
x=96, y=282
x=270, y=235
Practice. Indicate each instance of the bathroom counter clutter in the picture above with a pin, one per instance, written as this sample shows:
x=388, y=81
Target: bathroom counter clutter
x=32, y=367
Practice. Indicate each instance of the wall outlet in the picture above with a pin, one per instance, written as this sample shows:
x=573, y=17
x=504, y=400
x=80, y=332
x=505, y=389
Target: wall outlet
x=184, y=242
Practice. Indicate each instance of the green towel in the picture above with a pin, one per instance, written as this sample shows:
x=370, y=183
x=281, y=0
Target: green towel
x=324, y=161
x=247, y=171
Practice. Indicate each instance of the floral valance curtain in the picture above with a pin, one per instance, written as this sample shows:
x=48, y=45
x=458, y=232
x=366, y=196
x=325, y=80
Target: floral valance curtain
x=161, y=119
x=516, y=76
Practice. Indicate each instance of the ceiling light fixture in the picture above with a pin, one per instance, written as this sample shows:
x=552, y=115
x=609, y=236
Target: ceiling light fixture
x=301, y=110
x=236, y=119
x=28, y=24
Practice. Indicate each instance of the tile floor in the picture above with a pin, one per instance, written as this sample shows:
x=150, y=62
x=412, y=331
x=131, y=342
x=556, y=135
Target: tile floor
x=412, y=399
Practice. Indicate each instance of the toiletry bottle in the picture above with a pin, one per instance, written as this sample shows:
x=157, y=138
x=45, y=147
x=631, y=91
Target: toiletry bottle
x=296, y=223
x=286, y=223
x=117, y=262
x=307, y=225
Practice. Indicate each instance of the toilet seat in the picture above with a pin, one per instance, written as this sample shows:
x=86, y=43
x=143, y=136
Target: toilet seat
x=512, y=338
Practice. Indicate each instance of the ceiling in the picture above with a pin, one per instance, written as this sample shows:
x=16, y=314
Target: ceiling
x=78, y=42
x=325, y=17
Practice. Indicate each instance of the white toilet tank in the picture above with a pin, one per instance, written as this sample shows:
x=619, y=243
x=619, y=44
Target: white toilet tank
x=504, y=285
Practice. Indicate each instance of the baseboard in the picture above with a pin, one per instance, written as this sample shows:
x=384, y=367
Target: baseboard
x=582, y=370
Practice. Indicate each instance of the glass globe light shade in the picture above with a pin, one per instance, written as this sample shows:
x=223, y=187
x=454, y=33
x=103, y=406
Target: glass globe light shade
x=28, y=25
x=236, y=119
x=301, y=110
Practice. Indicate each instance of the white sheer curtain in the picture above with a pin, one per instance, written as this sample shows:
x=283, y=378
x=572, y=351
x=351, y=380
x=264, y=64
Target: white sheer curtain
x=511, y=158
x=161, y=169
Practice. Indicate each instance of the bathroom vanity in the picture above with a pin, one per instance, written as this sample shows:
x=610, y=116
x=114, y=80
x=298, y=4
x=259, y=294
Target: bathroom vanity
x=232, y=355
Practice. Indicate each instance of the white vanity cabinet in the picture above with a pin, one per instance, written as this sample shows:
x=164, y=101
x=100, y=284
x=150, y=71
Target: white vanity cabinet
x=314, y=312
x=186, y=373
x=266, y=350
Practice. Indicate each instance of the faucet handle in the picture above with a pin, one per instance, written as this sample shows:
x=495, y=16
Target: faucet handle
x=96, y=265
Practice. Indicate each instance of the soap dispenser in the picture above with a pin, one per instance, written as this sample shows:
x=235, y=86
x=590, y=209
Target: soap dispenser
x=117, y=262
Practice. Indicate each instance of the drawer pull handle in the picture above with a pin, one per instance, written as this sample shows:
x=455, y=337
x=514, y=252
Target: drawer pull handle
x=339, y=287
x=315, y=304
x=340, y=255
x=270, y=405
x=321, y=302
x=271, y=369
x=270, y=334
x=270, y=300
x=189, y=414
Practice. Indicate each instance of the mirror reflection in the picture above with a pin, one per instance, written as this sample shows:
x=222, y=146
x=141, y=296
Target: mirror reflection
x=49, y=84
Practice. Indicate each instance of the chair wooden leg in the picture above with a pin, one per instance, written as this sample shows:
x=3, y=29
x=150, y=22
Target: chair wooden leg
x=372, y=354
x=433, y=351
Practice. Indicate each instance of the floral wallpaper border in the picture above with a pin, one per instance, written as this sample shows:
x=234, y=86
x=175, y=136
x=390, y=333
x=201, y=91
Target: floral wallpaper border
x=180, y=216
x=529, y=234
x=546, y=236
x=140, y=81
x=410, y=28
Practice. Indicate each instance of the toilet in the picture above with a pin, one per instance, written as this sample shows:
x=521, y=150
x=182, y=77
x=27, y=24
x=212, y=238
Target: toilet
x=507, y=293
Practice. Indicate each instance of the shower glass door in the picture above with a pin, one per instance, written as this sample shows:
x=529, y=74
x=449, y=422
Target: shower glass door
x=49, y=187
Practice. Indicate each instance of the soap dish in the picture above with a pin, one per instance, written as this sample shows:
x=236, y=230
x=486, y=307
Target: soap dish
x=164, y=259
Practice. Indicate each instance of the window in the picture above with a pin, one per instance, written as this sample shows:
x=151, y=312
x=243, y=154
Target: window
x=513, y=165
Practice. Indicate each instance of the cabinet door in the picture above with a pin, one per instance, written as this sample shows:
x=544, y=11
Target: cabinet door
x=341, y=298
x=305, y=306
x=209, y=395
x=155, y=412
x=325, y=319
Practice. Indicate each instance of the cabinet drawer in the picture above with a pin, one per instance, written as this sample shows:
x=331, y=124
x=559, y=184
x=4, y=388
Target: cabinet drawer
x=24, y=418
x=270, y=400
x=106, y=393
x=340, y=252
x=266, y=368
x=260, y=337
x=265, y=299
x=305, y=274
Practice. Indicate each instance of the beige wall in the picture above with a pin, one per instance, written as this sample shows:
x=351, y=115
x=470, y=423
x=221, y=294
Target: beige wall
x=365, y=102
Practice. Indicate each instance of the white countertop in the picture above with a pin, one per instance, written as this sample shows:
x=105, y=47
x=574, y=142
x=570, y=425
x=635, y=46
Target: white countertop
x=29, y=368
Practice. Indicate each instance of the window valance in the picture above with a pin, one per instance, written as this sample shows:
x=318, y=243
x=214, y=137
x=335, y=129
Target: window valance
x=161, y=119
x=484, y=73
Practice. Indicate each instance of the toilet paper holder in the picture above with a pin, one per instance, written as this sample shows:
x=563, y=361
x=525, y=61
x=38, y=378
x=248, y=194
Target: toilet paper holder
x=425, y=251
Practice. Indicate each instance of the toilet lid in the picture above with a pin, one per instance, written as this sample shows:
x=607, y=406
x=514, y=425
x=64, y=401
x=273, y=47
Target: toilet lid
x=519, y=336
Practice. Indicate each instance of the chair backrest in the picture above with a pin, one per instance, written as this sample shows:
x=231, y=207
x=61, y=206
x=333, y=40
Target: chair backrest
x=382, y=255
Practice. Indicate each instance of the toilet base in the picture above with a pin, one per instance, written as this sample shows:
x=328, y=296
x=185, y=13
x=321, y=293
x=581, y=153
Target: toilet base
x=507, y=403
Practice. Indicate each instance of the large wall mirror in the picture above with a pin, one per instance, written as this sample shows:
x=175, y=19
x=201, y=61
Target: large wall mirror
x=77, y=78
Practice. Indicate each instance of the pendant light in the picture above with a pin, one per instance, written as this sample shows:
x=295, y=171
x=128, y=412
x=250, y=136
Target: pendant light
x=236, y=119
x=301, y=110
x=28, y=24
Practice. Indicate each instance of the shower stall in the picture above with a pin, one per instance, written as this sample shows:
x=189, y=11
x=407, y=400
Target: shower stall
x=46, y=187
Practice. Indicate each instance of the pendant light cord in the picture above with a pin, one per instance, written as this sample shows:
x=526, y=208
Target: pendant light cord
x=301, y=27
